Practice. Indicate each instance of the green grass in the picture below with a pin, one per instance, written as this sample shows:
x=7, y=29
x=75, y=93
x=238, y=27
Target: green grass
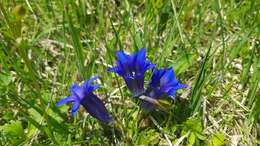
x=47, y=45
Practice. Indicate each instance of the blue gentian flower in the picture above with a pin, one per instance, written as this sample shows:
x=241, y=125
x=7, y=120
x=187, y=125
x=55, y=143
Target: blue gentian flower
x=163, y=83
x=132, y=69
x=83, y=95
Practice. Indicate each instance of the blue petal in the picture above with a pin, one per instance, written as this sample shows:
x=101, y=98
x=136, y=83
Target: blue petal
x=90, y=88
x=63, y=101
x=163, y=81
x=96, y=108
x=95, y=87
x=167, y=77
x=78, y=91
x=89, y=82
x=116, y=70
x=135, y=84
x=113, y=69
x=149, y=65
x=141, y=54
x=162, y=72
x=132, y=68
x=172, y=93
x=173, y=84
x=75, y=108
x=122, y=57
x=155, y=81
x=182, y=86
x=140, y=60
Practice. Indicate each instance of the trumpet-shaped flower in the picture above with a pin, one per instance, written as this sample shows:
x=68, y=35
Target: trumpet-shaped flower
x=132, y=69
x=163, y=82
x=83, y=95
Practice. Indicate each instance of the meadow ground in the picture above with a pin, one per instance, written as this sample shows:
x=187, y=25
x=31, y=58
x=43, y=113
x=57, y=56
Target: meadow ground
x=47, y=45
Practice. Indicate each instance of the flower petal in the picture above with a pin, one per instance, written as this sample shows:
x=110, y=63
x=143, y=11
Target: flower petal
x=90, y=88
x=117, y=70
x=149, y=65
x=122, y=57
x=75, y=108
x=181, y=86
x=172, y=93
x=132, y=69
x=155, y=80
x=95, y=87
x=113, y=69
x=89, y=82
x=163, y=82
x=140, y=60
x=167, y=77
x=78, y=91
x=63, y=101
x=96, y=108
x=136, y=84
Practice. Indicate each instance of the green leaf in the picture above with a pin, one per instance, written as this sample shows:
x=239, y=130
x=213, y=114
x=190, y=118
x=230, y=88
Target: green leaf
x=191, y=139
x=194, y=125
x=14, y=129
x=183, y=63
x=5, y=79
x=201, y=136
x=218, y=139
